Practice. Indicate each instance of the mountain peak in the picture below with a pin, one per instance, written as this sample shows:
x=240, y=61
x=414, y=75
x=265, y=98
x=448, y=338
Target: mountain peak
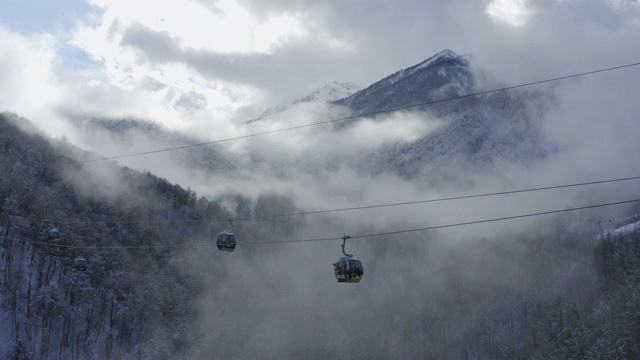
x=329, y=92
x=445, y=74
x=441, y=57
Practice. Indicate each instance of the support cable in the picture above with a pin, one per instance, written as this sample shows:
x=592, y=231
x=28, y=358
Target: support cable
x=374, y=113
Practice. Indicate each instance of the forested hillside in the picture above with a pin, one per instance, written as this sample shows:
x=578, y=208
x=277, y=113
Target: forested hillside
x=129, y=298
x=593, y=312
x=156, y=287
x=138, y=298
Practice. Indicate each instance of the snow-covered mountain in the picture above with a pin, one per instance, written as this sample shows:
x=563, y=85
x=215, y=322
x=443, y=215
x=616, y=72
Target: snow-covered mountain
x=478, y=130
x=329, y=92
x=444, y=75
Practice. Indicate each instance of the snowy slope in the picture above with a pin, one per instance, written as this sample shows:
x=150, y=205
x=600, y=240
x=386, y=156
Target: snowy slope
x=627, y=228
x=441, y=76
x=479, y=130
x=329, y=92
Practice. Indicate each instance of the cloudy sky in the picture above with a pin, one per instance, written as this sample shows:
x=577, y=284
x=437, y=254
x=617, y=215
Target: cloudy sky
x=202, y=65
x=207, y=66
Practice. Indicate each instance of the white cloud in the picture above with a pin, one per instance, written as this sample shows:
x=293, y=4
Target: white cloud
x=512, y=12
x=365, y=135
x=205, y=66
x=225, y=27
x=28, y=84
x=185, y=48
x=29, y=60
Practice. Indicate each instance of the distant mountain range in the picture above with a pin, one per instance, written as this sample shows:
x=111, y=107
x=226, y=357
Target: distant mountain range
x=478, y=130
x=443, y=75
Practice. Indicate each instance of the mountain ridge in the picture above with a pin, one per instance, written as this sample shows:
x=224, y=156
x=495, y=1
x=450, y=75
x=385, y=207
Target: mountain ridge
x=329, y=92
x=426, y=81
x=476, y=131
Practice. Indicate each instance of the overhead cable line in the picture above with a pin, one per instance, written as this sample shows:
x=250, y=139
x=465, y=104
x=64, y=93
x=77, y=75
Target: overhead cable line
x=496, y=219
x=426, y=103
x=442, y=199
x=452, y=198
x=449, y=225
x=396, y=232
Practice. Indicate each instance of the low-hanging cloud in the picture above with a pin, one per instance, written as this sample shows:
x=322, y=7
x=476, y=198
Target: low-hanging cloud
x=272, y=302
x=364, y=133
x=355, y=42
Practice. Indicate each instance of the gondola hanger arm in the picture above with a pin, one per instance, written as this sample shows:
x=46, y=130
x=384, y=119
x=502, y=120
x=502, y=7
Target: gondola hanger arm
x=344, y=241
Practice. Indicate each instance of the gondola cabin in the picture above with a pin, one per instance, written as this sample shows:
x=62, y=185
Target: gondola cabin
x=348, y=269
x=80, y=264
x=226, y=241
x=54, y=235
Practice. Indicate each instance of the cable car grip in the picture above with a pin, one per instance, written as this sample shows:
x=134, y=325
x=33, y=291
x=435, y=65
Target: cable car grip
x=344, y=241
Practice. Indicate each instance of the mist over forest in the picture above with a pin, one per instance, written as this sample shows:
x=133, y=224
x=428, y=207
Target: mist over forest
x=555, y=286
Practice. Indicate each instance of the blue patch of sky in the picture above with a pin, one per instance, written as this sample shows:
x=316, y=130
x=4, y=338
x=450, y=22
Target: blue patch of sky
x=71, y=56
x=38, y=16
x=55, y=17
